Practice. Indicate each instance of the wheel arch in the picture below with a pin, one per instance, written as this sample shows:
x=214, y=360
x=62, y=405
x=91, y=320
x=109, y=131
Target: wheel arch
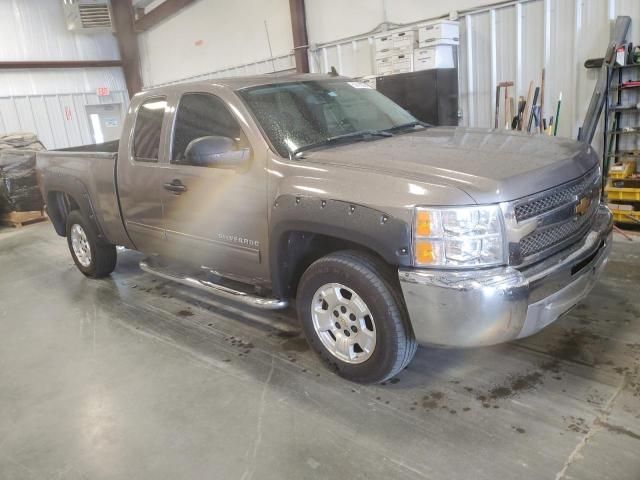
x=60, y=203
x=307, y=228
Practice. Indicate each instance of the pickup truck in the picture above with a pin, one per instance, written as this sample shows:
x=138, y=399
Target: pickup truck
x=386, y=232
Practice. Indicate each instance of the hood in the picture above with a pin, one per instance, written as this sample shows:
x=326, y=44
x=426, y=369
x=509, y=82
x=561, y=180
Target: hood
x=489, y=165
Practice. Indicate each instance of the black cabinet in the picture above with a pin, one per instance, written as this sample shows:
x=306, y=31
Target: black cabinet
x=430, y=95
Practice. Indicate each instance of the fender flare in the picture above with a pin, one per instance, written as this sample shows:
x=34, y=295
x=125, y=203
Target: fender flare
x=387, y=236
x=77, y=191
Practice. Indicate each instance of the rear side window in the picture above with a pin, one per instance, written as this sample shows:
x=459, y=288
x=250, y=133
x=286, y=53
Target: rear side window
x=146, y=134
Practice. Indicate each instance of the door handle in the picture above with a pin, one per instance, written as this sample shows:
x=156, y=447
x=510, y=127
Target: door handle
x=175, y=186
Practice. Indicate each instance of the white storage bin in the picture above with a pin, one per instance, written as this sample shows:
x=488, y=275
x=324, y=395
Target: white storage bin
x=443, y=41
x=404, y=69
x=402, y=63
x=407, y=40
x=384, y=66
x=384, y=53
x=437, y=56
x=444, y=29
x=383, y=42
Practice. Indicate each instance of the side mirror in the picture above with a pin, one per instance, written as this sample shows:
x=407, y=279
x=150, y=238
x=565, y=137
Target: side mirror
x=216, y=152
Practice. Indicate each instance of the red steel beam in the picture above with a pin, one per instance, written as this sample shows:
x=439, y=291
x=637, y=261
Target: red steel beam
x=300, y=39
x=123, y=21
x=60, y=64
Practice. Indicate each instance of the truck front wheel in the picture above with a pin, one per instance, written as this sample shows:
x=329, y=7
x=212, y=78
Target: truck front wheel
x=354, y=317
x=94, y=258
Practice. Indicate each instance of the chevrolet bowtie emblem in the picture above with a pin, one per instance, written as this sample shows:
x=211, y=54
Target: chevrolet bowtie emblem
x=582, y=206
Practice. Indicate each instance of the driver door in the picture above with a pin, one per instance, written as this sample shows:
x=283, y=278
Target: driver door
x=214, y=217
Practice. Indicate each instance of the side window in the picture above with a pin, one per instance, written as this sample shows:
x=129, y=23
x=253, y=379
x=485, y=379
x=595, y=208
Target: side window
x=146, y=133
x=202, y=115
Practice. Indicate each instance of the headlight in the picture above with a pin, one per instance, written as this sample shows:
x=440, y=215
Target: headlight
x=458, y=237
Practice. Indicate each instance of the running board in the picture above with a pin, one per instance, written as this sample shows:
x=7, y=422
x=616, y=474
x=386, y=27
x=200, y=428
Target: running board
x=263, y=303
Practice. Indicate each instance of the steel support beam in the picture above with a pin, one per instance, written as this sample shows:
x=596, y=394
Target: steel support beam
x=160, y=13
x=300, y=39
x=124, y=21
x=60, y=64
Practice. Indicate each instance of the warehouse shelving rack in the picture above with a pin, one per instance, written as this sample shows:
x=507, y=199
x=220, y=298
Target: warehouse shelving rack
x=616, y=189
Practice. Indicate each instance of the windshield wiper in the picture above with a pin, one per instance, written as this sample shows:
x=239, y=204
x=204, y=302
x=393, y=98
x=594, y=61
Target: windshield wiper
x=361, y=135
x=406, y=126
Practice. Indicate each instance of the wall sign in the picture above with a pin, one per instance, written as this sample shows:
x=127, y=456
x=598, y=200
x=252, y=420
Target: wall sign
x=102, y=91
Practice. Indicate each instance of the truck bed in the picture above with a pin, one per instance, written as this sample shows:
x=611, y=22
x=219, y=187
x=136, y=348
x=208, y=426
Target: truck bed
x=106, y=147
x=87, y=174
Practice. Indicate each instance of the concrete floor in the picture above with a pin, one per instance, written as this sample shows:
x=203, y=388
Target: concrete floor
x=133, y=377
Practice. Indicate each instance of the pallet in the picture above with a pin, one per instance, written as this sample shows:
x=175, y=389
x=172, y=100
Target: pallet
x=20, y=219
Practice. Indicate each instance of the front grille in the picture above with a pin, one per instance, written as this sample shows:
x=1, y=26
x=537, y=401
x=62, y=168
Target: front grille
x=541, y=240
x=557, y=219
x=555, y=198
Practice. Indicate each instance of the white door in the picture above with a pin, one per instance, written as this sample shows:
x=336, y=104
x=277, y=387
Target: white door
x=105, y=121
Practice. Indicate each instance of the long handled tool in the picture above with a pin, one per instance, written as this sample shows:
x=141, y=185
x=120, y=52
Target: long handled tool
x=500, y=85
x=509, y=112
x=623, y=233
x=592, y=117
x=506, y=86
x=555, y=127
x=533, y=108
x=516, y=124
x=542, y=100
x=497, y=106
x=632, y=218
x=528, y=106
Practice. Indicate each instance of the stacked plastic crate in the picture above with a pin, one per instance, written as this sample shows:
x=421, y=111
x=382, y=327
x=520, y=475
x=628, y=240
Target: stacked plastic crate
x=623, y=191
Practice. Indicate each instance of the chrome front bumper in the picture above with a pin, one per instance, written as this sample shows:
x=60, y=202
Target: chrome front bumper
x=485, y=307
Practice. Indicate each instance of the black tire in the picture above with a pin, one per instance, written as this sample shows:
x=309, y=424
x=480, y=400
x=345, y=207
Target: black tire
x=377, y=285
x=103, y=255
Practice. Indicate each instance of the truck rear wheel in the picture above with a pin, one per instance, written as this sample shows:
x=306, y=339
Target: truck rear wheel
x=93, y=258
x=354, y=317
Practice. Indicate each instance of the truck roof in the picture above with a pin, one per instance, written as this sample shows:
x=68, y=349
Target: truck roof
x=238, y=83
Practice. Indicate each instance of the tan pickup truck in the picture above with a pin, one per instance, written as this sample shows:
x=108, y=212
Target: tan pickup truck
x=386, y=232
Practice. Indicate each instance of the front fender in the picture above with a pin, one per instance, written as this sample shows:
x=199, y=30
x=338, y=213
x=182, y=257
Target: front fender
x=387, y=236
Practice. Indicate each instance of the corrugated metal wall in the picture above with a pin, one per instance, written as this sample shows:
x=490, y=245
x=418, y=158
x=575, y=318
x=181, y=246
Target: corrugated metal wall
x=517, y=41
x=51, y=102
x=60, y=120
x=514, y=41
x=276, y=65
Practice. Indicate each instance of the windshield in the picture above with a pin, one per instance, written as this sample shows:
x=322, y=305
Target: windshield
x=297, y=114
